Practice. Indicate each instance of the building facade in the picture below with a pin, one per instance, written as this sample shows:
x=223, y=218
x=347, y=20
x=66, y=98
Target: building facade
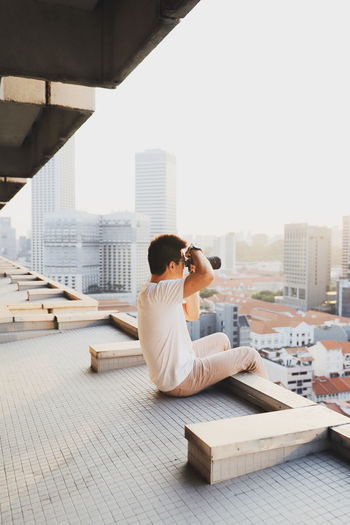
x=71, y=249
x=227, y=321
x=346, y=248
x=7, y=239
x=155, y=189
x=331, y=358
x=53, y=189
x=225, y=248
x=307, y=252
x=124, y=238
x=292, y=371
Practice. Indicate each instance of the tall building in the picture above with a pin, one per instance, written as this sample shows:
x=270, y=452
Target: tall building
x=343, y=297
x=7, y=239
x=225, y=248
x=155, y=189
x=346, y=248
x=227, y=321
x=124, y=238
x=307, y=253
x=343, y=284
x=53, y=189
x=71, y=249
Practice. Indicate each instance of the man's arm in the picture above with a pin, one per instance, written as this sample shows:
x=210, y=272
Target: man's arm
x=201, y=277
x=191, y=307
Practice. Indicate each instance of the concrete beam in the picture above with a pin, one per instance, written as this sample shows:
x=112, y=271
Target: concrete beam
x=83, y=41
x=9, y=187
x=126, y=323
x=117, y=355
x=228, y=448
x=36, y=119
x=264, y=393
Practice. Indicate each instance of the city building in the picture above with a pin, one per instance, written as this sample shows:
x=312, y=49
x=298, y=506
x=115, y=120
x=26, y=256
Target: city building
x=290, y=367
x=343, y=297
x=227, y=321
x=225, y=248
x=331, y=358
x=124, y=238
x=346, y=248
x=53, y=189
x=244, y=330
x=97, y=254
x=307, y=251
x=223, y=319
x=7, y=239
x=155, y=189
x=331, y=388
x=71, y=249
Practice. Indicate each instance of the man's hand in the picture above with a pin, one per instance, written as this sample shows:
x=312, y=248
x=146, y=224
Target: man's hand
x=202, y=274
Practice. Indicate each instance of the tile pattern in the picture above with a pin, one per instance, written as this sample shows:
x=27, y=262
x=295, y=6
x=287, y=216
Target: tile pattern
x=85, y=448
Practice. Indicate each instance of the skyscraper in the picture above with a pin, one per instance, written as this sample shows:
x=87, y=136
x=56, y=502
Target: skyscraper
x=225, y=248
x=124, y=240
x=71, y=249
x=307, y=252
x=346, y=248
x=53, y=189
x=7, y=238
x=155, y=189
x=343, y=285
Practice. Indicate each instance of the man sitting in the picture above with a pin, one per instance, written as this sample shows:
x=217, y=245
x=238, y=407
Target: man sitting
x=176, y=365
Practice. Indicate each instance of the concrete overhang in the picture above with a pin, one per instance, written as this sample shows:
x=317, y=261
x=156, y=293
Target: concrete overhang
x=37, y=118
x=8, y=189
x=88, y=42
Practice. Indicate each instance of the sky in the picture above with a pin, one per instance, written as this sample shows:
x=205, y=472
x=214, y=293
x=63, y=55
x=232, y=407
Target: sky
x=253, y=99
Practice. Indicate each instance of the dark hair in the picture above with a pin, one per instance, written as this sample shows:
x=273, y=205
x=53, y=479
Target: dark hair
x=164, y=249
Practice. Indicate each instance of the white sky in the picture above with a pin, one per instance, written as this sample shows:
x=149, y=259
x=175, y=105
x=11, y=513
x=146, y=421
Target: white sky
x=253, y=98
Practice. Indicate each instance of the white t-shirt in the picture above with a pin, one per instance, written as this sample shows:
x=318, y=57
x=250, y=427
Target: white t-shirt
x=163, y=334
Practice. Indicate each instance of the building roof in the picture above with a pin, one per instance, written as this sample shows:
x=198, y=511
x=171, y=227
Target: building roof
x=98, y=448
x=108, y=447
x=344, y=346
x=342, y=407
x=323, y=386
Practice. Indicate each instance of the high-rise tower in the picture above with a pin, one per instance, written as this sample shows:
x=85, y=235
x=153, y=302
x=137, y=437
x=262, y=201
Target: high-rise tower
x=53, y=189
x=155, y=189
x=307, y=254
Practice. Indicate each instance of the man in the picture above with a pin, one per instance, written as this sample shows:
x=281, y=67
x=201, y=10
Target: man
x=178, y=366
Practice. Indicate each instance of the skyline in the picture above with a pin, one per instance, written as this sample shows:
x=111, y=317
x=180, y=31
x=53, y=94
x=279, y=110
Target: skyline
x=259, y=130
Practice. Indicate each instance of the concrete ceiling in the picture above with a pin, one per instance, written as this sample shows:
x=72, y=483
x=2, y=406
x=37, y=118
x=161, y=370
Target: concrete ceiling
x=88, y=42
x=52, y=54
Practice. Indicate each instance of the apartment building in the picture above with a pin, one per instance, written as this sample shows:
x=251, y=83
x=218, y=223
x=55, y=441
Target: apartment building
x=306, y=265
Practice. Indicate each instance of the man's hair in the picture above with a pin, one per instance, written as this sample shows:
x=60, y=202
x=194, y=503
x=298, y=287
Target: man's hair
x=164, y=249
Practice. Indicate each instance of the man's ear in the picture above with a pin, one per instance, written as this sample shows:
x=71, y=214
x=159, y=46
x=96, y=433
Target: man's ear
x=171, y=265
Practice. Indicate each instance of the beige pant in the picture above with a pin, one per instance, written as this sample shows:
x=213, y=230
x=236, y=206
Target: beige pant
x=214, y=361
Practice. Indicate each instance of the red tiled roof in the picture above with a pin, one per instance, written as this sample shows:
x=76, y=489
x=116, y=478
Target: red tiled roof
x=330, y=385
x=344, y=346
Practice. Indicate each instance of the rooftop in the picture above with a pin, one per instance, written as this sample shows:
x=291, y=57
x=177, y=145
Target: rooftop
x=85, y=447
x=80, y=447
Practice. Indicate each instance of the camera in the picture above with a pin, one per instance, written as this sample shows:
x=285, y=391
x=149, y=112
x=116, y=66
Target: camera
x=214, y=261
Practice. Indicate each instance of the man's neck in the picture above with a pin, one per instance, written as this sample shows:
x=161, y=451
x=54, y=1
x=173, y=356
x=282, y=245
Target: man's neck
x=163, y=277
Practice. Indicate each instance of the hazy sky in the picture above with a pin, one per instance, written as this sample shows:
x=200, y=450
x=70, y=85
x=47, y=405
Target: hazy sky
x=253, y=98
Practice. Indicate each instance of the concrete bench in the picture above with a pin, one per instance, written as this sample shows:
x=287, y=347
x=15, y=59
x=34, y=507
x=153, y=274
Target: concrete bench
x=228, y=448
x=44, y=293
x=125, y=322
x=113, y=356
x=5, y=315
x=70, y=321
x=264, y=393
x=27, y=285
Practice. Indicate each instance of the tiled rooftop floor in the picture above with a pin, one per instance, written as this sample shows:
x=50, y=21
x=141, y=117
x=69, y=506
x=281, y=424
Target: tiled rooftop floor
x=9, y=294
x=84, y=448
